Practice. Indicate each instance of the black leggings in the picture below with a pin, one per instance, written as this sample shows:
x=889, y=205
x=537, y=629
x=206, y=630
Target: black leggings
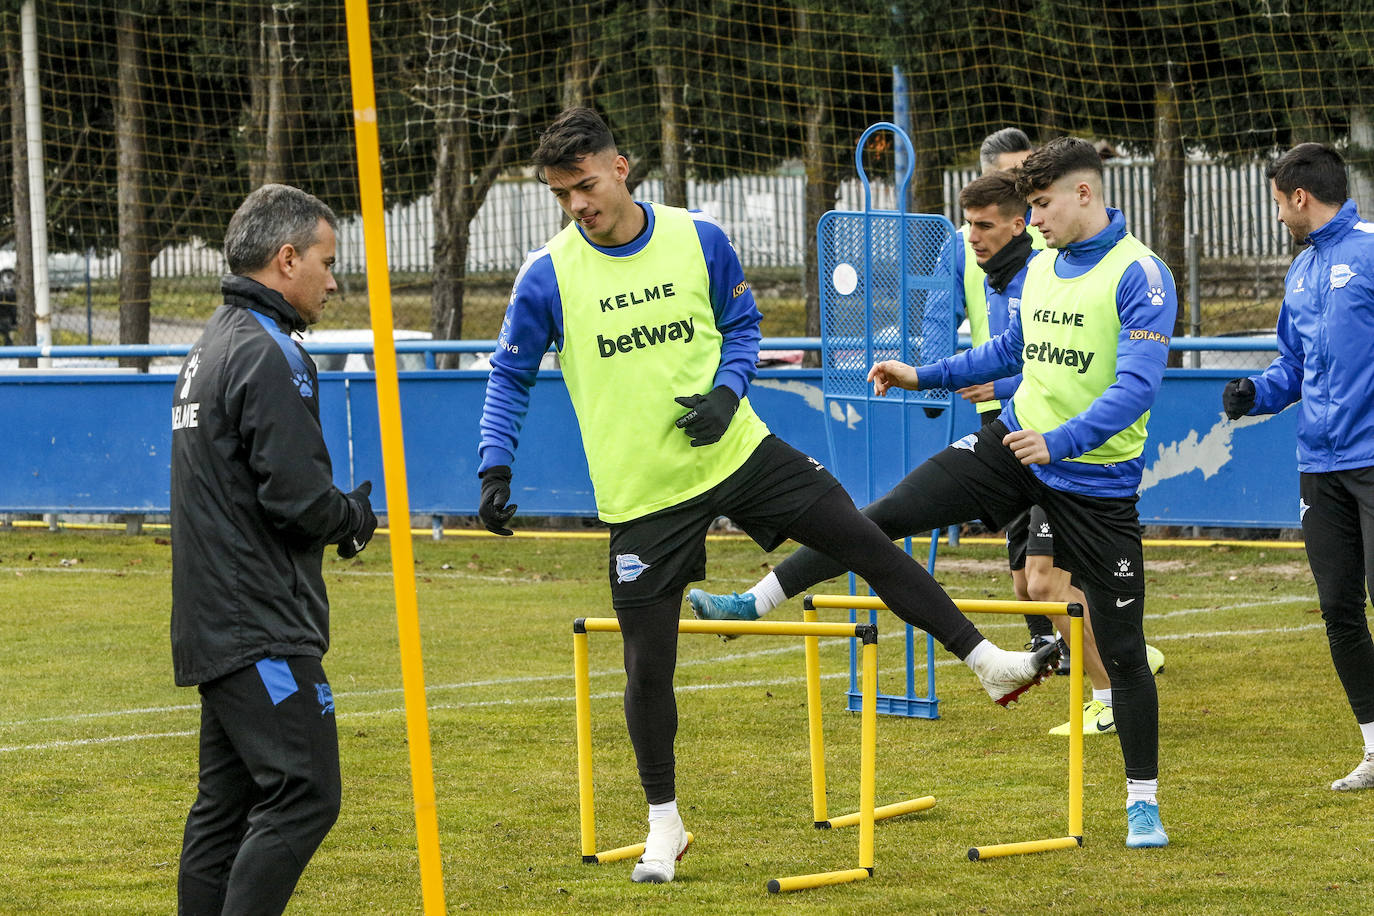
x=935, y=495
x=832, y=524
x=1338, y=526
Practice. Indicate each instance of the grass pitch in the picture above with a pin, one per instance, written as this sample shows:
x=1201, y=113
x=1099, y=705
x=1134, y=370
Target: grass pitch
x=97, y=747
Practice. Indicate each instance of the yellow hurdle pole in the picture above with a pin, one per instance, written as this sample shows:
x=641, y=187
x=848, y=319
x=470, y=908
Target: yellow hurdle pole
x=586, y=803
x=868, y=752
x=821, y=879
x=883, y=812
x=393, y=453
x=1075, y=838
x=1020, y=849
x=868, y=740
x=744, y=627
x=967, y=605
x=1076, y=722
x=814, y=725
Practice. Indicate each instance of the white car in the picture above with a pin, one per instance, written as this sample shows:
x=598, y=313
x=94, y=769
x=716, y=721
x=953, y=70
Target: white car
x=359, y=362
x=65, y=270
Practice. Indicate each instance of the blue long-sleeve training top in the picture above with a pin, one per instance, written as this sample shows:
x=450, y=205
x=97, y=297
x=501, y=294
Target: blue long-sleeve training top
x=1147, y=304
x=1326, y=347
x=534, y=320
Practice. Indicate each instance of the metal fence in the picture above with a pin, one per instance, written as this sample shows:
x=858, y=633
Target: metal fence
x=1228, y=207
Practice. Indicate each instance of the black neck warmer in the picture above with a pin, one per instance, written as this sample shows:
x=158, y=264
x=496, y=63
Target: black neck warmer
x=1007, y=263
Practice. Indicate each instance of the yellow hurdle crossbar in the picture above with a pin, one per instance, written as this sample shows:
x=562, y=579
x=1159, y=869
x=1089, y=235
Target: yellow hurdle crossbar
x=811, y=631
x=977, y=605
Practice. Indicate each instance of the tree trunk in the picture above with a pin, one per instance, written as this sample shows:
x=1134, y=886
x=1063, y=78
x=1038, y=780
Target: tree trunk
x=669, y=89
x=452, y=165
x=1169, y=196
x=458, y=195
x=135, y=267
x=1360, y=159
x=578, y=74
x=270, y=89
x=26, y=332
x=822, y=187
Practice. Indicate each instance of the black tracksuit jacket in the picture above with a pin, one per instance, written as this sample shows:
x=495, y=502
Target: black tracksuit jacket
x=253, y=498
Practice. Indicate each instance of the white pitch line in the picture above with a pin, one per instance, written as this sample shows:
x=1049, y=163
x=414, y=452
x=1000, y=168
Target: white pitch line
x=80, y=742
x=431, y=688
x=613, y=672
x=506, y=701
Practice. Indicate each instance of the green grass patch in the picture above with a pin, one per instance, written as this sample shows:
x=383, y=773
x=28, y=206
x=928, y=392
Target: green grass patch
x=98, y=751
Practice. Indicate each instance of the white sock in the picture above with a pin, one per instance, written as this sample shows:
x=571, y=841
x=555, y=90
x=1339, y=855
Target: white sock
x=1103, y=696
x=1141, y=790
x=1367, y=729
x=667, y=809
x=768, y=594
x=980, y=654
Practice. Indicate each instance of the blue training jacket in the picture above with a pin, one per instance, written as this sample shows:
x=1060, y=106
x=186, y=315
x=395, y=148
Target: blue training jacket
x=1147, y=302
x=534, y=320
x=1326, y=347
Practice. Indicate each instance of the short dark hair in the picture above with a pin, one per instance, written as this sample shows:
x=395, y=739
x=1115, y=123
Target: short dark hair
x=997, y=143
x=1316, y=168
x=994, y=188
x=574, y=134
x=1053, y=161
x=272, y=216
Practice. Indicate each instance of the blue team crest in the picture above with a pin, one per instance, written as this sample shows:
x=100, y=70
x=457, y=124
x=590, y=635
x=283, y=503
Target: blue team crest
x=629, y=567
x=326, y=697
x=302, y=380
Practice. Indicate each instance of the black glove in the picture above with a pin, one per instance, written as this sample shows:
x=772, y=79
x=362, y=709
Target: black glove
x=362, y=521
x=492, y=510
x=709, y=416
x=1238, y=397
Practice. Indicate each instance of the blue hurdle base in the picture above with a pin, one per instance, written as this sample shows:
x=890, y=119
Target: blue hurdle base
x=891, y=704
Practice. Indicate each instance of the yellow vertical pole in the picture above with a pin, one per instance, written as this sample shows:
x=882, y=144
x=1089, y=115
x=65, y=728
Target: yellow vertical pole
x=393, y=455
x=583, y=698
x=868, y=753
x=1076, y=727
x=814, y=725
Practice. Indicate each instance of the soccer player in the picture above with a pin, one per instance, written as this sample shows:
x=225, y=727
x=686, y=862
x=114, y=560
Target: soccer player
x=253, y=507
x=1091, y=339
x=1326, y=360
x=658, y=334
x=1030, y=539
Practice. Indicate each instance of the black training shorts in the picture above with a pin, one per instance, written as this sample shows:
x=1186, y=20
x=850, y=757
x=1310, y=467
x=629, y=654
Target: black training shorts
x=656, y=555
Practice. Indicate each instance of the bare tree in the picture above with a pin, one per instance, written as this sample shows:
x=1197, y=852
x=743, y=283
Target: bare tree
x=19, y=186
x=271, y=87
x=135, y=255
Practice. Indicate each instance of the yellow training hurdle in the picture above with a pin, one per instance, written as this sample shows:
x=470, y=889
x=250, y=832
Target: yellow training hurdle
x=1075, y=612
x=812, y=631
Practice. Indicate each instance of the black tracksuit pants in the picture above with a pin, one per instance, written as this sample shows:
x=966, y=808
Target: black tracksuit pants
x=269, y=788
x=1338, y=525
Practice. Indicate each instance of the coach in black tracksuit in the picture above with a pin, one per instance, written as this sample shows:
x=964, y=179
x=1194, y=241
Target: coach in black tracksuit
x=253, y=508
